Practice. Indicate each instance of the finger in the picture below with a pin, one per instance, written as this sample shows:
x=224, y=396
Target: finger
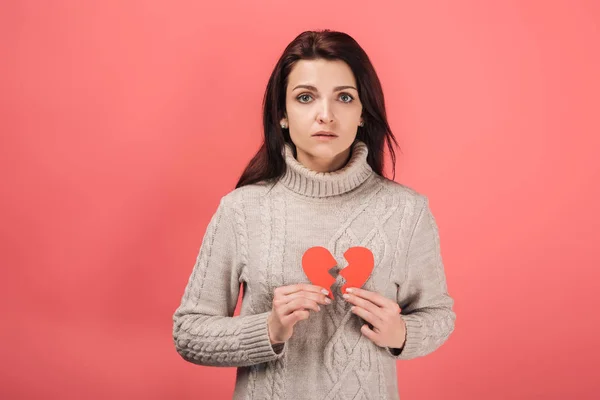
x=373, y=297
x=300, y=303
x=294, y=317
x=366, y=304
x=303, y=303
x=370, y=334
x=367, y=316
x=318, y=297
x=286, y=290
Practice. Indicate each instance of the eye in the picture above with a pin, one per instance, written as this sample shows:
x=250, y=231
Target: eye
x=347, y=95
x=303, y=95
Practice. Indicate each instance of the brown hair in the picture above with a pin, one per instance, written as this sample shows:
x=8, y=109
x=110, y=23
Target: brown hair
x=269, y=162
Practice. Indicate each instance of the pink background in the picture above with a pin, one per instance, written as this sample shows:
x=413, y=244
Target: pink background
x=123, y=123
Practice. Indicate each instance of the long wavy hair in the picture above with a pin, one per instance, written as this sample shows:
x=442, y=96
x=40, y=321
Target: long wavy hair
x=268, y=164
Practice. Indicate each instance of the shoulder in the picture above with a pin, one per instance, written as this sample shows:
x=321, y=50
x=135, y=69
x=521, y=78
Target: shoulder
x=405, y=194
x=246, y=195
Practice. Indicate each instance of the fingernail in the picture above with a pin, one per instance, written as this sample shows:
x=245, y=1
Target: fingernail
x=349, y=290
x=318, y=308
x=327, y=300
x=345, y=295
x=324, y=291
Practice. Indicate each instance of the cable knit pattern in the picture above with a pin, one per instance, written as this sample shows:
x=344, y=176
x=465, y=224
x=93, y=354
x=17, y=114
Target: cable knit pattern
x=338, y=350
x=256, y=239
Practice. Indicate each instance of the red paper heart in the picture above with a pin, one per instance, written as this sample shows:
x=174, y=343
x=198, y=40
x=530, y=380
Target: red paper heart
x=317, y=261
x=361, y=263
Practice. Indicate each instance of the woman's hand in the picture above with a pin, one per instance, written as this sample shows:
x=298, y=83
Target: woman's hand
x=388, y=327
x=290, y=305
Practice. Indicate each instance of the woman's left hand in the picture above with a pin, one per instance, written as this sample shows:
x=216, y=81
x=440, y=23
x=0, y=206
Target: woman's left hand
x=389, y=329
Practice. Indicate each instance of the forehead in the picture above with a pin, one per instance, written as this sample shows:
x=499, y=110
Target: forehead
x=324, y=74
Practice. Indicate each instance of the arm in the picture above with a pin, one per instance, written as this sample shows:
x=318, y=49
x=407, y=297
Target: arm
x=423, y=296
x=205, y=332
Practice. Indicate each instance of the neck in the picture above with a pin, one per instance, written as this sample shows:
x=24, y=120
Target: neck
x=308, y=182
x=323, y=165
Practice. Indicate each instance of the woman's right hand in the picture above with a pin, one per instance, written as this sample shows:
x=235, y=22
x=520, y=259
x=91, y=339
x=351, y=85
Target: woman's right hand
x=290, y=305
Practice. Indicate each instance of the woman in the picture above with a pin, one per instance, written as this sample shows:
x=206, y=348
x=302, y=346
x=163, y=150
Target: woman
x=317, y=182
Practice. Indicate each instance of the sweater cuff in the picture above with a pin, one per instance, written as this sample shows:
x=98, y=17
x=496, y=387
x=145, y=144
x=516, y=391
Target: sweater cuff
x=415, y=335
x=254, y=337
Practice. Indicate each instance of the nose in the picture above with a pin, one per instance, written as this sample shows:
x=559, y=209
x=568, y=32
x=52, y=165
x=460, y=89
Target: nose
x=325, y=116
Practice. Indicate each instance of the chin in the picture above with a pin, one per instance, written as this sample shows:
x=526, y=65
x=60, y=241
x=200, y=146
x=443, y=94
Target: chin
x=325, y=150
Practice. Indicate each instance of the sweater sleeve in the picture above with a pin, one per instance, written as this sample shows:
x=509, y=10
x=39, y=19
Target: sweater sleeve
x=205, y=332
x=425, y=304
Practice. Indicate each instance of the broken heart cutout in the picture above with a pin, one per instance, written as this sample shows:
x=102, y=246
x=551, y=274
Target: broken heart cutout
x=317, y=261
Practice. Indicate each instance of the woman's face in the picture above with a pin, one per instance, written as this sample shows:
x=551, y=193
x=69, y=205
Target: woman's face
x=331, y=104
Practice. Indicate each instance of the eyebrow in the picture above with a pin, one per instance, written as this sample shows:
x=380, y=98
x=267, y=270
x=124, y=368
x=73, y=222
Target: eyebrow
x=335, y=89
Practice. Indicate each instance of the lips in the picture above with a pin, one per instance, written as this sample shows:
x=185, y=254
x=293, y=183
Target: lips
x=325, y=133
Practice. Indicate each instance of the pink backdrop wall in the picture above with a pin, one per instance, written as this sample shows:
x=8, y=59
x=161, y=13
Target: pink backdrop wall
x=123, y=123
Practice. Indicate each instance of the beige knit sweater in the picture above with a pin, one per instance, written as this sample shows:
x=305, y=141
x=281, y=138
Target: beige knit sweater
x=256, y=238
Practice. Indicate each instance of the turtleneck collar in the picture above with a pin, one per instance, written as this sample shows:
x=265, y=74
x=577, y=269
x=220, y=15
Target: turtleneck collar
x=311, y=183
